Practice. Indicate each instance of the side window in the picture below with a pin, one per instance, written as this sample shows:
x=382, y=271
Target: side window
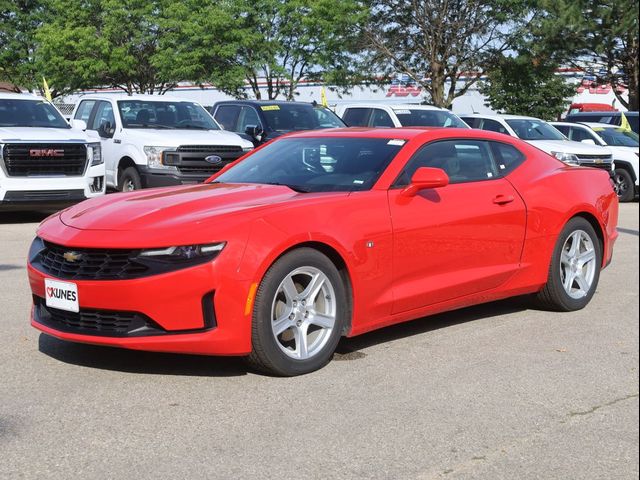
x=248, y=116
x=356, y=117
x=104, y=114
x=84, y=110
x=380, y=118
x=507, y=157
x=493, y=126
x=463, y=160
x=579, y=134
x=227, y=116
x=564, y=129
x=472, y=121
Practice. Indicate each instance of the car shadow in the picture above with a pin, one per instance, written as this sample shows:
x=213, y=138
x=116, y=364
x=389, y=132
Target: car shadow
x=351, y=348
x=133, y=361
x=22, y=217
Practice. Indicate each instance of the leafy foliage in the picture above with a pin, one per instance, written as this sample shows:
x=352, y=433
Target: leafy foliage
x=526, y=86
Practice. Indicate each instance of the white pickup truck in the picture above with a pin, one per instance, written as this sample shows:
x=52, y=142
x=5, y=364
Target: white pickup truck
x=153, y=141
x=45, y=163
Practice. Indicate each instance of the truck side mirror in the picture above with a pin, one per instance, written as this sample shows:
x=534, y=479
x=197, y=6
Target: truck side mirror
x=106, y=130
x=254, y=131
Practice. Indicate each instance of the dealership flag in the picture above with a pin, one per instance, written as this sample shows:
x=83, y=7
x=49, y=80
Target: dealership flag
x=323, y=98
x=47, y=92
x=624, y=123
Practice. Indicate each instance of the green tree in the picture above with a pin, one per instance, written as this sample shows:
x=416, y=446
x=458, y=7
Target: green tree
x=526, y=86
x=597, y=35
x=19, y=20
x=438, y=42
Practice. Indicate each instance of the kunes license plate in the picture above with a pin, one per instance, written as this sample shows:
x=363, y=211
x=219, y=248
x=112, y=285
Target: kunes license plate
x=61, y=295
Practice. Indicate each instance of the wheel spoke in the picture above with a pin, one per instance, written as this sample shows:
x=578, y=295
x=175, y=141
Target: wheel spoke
x=586, y=257
x=289, y=289
x=568, y=280
x=565, y=259
x=311, y=292
x=282, y=323
x=575, y=244
x=582, y=283
x=323, y=320
x=300, y=334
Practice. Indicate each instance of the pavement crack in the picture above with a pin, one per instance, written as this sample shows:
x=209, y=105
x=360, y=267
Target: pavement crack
x=598, y=407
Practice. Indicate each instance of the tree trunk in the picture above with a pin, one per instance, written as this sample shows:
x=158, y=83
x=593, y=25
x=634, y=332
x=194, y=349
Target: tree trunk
x=437, y=85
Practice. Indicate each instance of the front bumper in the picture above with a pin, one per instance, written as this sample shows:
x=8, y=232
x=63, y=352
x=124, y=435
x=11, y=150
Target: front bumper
x=174, y=304
x=168, y=178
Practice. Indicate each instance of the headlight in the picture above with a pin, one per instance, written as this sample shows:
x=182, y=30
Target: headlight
x=568, y=158
x=155, y=157
x=94, y=154
x=183, y=254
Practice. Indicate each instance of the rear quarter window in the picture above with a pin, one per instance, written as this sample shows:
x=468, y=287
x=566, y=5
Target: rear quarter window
x=507, y=157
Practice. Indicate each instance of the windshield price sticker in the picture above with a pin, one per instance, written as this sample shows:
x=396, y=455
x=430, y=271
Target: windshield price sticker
x=396, y=142
x=266, y=108
x=61, y=295
x=402, y=112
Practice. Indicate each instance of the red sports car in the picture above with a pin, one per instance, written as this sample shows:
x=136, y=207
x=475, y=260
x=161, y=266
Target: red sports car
x=319, y=235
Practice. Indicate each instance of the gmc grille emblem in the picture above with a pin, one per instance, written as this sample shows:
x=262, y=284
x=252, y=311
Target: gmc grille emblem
x=72, y=257
x=46, y=152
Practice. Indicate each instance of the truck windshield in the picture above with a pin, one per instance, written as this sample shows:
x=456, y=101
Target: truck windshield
x=317, y=164
x=30, y=113
x=165, y=115
x=617, y=137
x=428, y=118
x=289, y=117
x=532, y=129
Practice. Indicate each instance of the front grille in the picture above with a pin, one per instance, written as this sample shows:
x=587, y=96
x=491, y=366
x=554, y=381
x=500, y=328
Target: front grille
x=203, y=169
x=91, y=264
x=95, y=322
x=19, y=160
x=595, y=158
x=210, y=149
x=44, y=195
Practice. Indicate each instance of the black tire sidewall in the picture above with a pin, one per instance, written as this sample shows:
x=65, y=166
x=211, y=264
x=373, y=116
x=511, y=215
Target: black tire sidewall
x=130, y=173
x=629, y=194
x=279, y=362
x=568, y=303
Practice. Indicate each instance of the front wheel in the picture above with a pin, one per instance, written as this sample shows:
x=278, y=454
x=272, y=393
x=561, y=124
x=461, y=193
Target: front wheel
x=623, y=185
x=130, y=180
x=575, y=268
x=299, y=313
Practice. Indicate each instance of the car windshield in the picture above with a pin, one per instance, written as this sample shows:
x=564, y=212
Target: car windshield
x=30, y=113
x=533, y=129
x=165, y=115
x=290, y=117
x=617, y=137
x=328, y=119
x=317, y=164
x=428, y=118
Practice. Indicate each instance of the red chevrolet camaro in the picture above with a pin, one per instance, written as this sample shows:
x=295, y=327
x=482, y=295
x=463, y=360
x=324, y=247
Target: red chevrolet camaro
x=319, y=235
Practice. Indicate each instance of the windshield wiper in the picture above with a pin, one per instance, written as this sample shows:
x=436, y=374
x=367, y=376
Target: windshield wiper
x=295, y=188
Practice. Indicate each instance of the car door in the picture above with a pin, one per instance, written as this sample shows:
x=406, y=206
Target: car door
x=457, y=240
x=227, y=116
x=380, y=118
x=103, y=121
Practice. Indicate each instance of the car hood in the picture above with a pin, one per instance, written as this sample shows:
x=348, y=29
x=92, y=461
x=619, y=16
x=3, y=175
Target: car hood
x=175, y=138
x=175, y=208
x=30, y=134
x=568, y=146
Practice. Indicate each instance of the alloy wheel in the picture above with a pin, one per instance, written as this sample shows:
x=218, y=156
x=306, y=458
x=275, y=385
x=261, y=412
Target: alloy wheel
x=578, y=264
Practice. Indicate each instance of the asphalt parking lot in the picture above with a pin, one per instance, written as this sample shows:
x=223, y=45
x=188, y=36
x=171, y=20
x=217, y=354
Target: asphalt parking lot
x=499, y=391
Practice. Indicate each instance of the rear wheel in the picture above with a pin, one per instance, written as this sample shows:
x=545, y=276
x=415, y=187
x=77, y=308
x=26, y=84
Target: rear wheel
x=299, y=314
x=575, y=268
x=623, y=185
x=129, y=180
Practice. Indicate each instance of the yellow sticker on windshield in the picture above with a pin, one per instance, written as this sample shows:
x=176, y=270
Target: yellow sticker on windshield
x=266, y=108
x=598, y=129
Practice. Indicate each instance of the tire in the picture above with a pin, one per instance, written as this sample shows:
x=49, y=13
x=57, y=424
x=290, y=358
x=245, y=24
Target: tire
x=624, y=186
x=129, y=180
x=562, y=292
x=295, y=331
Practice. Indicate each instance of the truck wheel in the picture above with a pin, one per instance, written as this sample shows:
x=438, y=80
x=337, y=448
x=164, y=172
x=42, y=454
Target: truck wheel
x=575, y=268
x=623, y=184
x=129, y=180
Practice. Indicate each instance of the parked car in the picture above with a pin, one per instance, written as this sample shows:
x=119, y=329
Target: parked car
x=262, y=120
x=590, y=107
x=612, y=118
x=277, y=257
x=398, y=115
x=152, y=140
x=544, y=136
x=45, y=164
x=623, y=144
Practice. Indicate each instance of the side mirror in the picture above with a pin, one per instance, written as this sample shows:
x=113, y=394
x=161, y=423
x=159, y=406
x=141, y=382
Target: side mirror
x=78, y=124
x=590, y=141
x=254, y=131
x=424, y=178
x=105, y=130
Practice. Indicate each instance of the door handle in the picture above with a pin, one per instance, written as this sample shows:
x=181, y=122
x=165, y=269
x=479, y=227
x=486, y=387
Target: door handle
x=503, y=199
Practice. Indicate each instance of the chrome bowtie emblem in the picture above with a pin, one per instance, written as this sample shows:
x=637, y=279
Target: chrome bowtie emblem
x=213, y=159
x=72, y=257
